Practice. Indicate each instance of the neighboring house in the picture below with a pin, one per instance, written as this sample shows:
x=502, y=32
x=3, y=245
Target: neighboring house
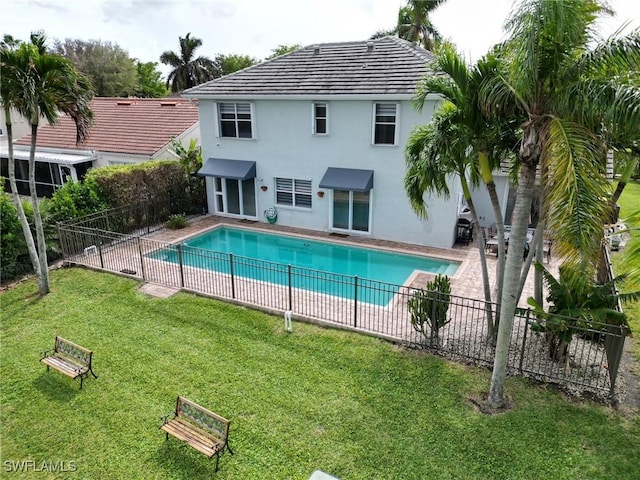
x=319, y=134
x=125, y=130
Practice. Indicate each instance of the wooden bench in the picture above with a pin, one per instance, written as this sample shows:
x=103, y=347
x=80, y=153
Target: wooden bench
x=70, y=359
x=200, y=428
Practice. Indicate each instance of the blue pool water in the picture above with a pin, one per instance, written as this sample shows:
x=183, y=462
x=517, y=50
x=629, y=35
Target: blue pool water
x=370, y=264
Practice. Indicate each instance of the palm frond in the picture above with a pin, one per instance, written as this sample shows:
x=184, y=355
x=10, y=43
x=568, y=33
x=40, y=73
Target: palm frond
x=498, y=97
x=540, y=60
x=618, y=55
x=434, y=152
x=576, y=189
x=605, y=105
x=439, y=85
x=391, y=32
x=451, y=63
x=170, y=58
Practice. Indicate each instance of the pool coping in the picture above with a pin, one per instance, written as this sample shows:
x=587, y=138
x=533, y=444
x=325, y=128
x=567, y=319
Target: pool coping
x=466, y=282
x=416, y=279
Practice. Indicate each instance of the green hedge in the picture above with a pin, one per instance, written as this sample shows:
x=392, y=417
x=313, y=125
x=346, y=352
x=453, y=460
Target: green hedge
x=11, y=239
x=153, y=181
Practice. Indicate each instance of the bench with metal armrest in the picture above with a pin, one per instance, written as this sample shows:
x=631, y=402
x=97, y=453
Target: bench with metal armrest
x=70, y=359
x=198, y=427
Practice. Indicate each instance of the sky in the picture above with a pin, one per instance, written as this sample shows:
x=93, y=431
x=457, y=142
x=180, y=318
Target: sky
x=146, y=28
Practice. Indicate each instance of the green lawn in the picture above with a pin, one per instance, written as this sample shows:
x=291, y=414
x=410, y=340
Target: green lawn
x=629, y=203
x=348, y=404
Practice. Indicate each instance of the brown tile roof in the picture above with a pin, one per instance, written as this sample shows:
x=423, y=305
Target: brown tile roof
x=387, y=65
x=139, y=126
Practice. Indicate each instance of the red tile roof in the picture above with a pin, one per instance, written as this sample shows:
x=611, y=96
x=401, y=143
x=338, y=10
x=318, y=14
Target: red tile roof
x=140, y=126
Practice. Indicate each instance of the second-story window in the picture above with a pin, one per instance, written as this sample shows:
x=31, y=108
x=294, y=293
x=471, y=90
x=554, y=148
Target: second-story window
x=235, y=120
x=385, y=122
x=320, y=119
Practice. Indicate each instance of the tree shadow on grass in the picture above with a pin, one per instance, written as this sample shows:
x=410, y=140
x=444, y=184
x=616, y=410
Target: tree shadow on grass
x=181, y=461
x=57, y=387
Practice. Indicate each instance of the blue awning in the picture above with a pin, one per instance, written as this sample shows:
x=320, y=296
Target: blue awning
x=221, y=167
x=347, y=179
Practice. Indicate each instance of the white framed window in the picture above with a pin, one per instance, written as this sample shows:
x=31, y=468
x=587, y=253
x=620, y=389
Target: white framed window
x=235, y=120
x=320, y=125
x=385, y=123
x=293, y=192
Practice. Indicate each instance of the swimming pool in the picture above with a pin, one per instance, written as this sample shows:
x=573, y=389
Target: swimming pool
x=257, y=248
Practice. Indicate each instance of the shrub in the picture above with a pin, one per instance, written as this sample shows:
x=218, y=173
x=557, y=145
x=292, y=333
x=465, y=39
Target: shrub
x=576, y=299
x=191, y=159
x=50, y=229
x=177, y=221
x=12, y=244
x=75, y=200
x=429, y=307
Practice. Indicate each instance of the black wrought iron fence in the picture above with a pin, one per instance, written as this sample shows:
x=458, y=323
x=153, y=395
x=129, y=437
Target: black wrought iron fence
x=145, y=217
x=367, y=306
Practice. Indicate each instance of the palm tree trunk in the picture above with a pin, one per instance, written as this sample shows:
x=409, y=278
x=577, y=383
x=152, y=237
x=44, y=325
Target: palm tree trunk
x=535, y=250
x=483, y=257
x=513, y=267
x=24, y=222
x=487, y=176
x=538, y=245
x=623, y=180
x=43, y=276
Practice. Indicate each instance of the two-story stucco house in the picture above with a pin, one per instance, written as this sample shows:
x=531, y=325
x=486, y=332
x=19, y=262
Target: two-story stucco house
x=319, y=134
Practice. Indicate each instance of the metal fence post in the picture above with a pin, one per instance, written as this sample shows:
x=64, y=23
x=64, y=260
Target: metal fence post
x=148, y=222
x=524, y=340
x=62, y=240
x=290, y=288
x=179, y=247
x=144, y=275
x=614, y=348
x=355, y=301
x=433, y=331
x=100, y=253
x=233, y=283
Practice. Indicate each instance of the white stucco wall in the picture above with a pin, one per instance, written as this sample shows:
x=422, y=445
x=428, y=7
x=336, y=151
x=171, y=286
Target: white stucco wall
x=482, y=202
x=19, y=126
x=285, y=147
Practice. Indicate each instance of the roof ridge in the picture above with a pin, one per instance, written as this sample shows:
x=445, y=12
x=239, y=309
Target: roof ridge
x=417, y=50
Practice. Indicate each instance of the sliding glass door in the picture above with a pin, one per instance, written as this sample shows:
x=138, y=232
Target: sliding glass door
x=235, y=197
x=351, y=210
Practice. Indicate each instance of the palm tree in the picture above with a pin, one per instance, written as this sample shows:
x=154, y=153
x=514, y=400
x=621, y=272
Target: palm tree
x=490, y=140
x=415, y=25
x=38, y=85
x=188, y=71
x=570, y=97
x=435, y=152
